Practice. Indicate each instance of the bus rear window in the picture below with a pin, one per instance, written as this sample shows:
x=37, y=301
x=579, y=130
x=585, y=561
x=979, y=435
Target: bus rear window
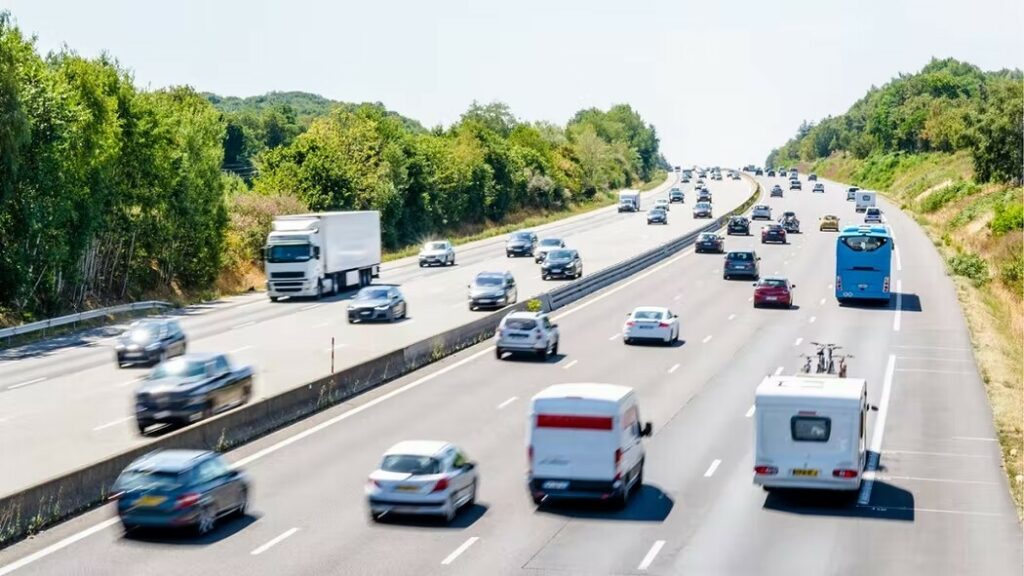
x=810, y=428
x=864, y=243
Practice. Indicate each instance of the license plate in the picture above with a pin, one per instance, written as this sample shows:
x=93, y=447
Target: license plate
x=162, y=414
x=556, y=271
x=407, y=489
x=484, y=301
x=771, y=298
x=646, y=327
x=517, y=335
x=804, y=472
x=150, y=501
x=556, y=485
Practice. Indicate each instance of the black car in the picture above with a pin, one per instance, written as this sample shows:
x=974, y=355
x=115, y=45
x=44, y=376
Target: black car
x=794, y=185
x=709, y=242
x=149, y=342
x=742, y=263
x=190, y=388
x=492, y=290
x=776, y=191
x=685, y=179
x=759, y=172
x=521, y=244
x=657, y=216
x=738, y=225
x=178, y=488
x=812, y=177
x=771, y=173
x=562, y=264
x=377, y=303
x=773, y=233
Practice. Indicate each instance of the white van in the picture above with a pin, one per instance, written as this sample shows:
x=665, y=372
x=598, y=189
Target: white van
x=865, y=200
x=809, y=432
x=585, y=443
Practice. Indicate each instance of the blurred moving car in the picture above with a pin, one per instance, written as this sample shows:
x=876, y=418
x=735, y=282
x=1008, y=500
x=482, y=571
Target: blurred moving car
x=546, y=245
x=761, y=212
x=742, y=263
x=795, y=185
x=377, y=303
x=773, y=233
x=651, y=323
x=738, y=225
x=812, y=177
x=790, y=223
x=150, y=341
x=662, y=203
x=657, y=216
x=562, y=263
x=819, y=188
x=422, y=477
x=704, y=195
x=492, y=290
x=760, y=172
x=676, y=195
x=521, y=243
x=873, y=215
x=530, y=332
x=829, y=222
x=440, y=252
x=771, y=173
x=776, y=191
x=709, y=242
x=773, y=291
x=190, y=388
x=702, y=210
x=179, y=488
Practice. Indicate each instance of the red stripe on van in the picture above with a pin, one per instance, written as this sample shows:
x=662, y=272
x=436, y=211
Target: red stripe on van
x=575, y=422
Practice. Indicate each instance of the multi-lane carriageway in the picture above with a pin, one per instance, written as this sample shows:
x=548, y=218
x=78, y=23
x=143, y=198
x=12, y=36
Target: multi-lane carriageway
x=938, y=504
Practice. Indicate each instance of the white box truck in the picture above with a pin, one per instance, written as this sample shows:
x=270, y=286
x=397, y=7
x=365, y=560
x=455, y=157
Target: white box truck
x=585, y=443
x=318, y=254
x=865, y=200
x=629, y=201
x=809, y=432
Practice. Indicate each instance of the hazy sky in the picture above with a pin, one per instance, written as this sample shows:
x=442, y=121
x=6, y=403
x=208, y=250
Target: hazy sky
x=723, y=81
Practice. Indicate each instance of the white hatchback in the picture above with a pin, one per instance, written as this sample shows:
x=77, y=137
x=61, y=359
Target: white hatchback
x=662, y=203
x=422, y=477
x=651, y=323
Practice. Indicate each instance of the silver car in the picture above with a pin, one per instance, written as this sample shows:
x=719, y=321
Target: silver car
x=761, y=212
x=492, y=290
x=422, y=477
x=546, y=245
x=440, y=252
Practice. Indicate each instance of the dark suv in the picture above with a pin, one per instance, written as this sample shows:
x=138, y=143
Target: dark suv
x=742, y=263
x=521, y=244
x=150, y=342
x=563, y=263
x=739, y=225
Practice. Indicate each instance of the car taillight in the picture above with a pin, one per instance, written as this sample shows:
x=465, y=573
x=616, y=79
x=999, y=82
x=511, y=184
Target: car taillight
x=844, y=473
x=618, y=460
x=839, y=283
x=373, y=483
x=630, y=323
x=885, y=284
x=442, y=484
x=766, y=470
x=186, y=501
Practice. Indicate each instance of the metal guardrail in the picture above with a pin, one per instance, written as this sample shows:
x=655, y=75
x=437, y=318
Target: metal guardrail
x=81, y=316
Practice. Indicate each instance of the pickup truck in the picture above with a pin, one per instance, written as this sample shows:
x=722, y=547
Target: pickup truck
x=189, y=388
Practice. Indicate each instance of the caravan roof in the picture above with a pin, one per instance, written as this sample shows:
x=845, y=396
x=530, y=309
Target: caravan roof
x=784, y=390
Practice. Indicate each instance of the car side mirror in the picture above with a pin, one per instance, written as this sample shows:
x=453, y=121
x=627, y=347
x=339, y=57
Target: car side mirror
x=647, y=430
x=792, y=285
x=872, y=407
x=554, y=325
x=469, y=466
x=758, y=257
x=754, y=284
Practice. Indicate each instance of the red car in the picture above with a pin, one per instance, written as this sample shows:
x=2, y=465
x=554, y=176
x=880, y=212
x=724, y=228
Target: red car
x=773, y=233
x=773, y=291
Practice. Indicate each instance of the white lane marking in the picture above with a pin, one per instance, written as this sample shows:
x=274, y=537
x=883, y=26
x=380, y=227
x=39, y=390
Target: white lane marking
x=570, y=365
x=613, y=336
x=751, y=299
x=779, y=370
x=968, y=361
x=244, y=324
x=731, y=316
x=673, y=368
x=929, y=371
x=321, y=325
x=706, y=339
x=899, y=261
x=57, y=546
x=831, y=287
x=933, y=348
x=338, y=345
x=813, y=318
x=651, y=555
x=974, y=438
x=507, y=402
x=357, y=410
x=750, y=411
x=310, y=307
x=945, y=480
x=277, y=540
x=678, y=297
x=711, y=469
x=797, y=341
x=821, y=302
x=899, y=307
x=128, y=383
x=935, y=510
x=878, y=434
x=458, y=551
x=237, y=350
x=942, y=454
x=112, y=424
x=26, y=383
x=251, y=303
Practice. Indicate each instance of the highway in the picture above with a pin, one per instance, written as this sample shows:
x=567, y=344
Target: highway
x=66, y=404
x=939, y=504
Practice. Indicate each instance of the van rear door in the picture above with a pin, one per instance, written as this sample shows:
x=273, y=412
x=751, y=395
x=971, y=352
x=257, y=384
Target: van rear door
x=574, y=446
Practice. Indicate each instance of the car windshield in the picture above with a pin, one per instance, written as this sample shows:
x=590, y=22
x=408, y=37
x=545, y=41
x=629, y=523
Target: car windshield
x=703, y=205
x=435, y=246
x=872, y=211
x=830, y=217
x=524, y=236
x=740, y=256
x=647, y=315
x=560, y=255
x=372, y=294
x=178, y=367
x=707, y=236
x=488, y=280
x=148, y=479
x=551, y=242
x=289, y=253
x=143, y=333
x=520, y=323
x=409, y=464
x=657, y=210
x=773, y=282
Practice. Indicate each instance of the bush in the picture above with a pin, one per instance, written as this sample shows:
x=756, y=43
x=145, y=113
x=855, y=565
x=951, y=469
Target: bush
x=970, y=266
x=1011, y=273
x=955, y=191
x=1008, y=217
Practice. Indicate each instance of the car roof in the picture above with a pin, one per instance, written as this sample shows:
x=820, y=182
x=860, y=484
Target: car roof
x=661, y=309
x=199, y=356
x=150, y=322
x=595, y=391
x=491, y=274
x=418, y=447
x=526, y=315
x=779, y=278
x=174, y=460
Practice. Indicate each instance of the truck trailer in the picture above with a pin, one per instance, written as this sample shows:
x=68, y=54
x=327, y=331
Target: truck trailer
x=629, y=201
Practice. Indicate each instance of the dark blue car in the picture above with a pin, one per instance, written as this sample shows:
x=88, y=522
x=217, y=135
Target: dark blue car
x=179, y=488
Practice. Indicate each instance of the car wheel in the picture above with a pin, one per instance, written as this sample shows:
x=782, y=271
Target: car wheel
x=542, y=354
x=207, y=520
x=450, y=510
x=554, y=349
x=627, y=341
x=128, y=527
x=725, y=276
x=351, y=321
x=141, y=427
x=675, y=337
x=472, y=308
x=319, y=289
x=498, y=353
x=537, y=500
x=274, y=298
x=422, y=264
x=374, y=517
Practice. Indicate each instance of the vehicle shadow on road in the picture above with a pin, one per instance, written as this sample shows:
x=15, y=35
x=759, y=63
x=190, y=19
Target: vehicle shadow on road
x=888, y=502
x=648, y=504
x=466, y=517
x=225, y=528
x=907, y=303
x=657, y=344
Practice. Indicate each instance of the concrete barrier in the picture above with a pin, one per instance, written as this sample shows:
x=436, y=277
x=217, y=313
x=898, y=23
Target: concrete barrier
x=45, y=504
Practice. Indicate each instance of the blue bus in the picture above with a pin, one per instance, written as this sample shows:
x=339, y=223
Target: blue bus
x=864, y=264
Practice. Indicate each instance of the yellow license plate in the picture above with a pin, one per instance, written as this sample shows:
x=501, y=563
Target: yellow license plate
x=150, y=501
x=408, y=489
x=801, y=472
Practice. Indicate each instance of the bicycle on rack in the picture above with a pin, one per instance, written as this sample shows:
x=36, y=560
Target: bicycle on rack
x=825, y=360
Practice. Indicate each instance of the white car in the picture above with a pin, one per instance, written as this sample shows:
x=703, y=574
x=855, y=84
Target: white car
x=873, y=215
x=422, y=477
x=440, y=252
x=662, y=203
x=530, y=332
x=651, y=323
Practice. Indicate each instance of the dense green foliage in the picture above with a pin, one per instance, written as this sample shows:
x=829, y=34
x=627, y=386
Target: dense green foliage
x=108, y=192
x=948, y=106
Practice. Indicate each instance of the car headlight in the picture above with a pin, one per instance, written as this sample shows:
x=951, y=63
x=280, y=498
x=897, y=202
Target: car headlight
x=153, y=346
x=570, y=265
x=382, y=307
x=351, y=308
x=119, y=346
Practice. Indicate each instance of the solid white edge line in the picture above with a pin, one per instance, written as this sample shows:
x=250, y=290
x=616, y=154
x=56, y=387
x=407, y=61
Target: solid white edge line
x=243, y=325
x=570, y=365
x=711, y=469
x=507, y=402
x=899, y=261
x=878, y=434
x=750, y=411
x=310, y=307
x=897, y=318
x=26, y=383
x=651, y=555
x=237, y=350
x=277, y=540
x=458, y=551
x=56, y=547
